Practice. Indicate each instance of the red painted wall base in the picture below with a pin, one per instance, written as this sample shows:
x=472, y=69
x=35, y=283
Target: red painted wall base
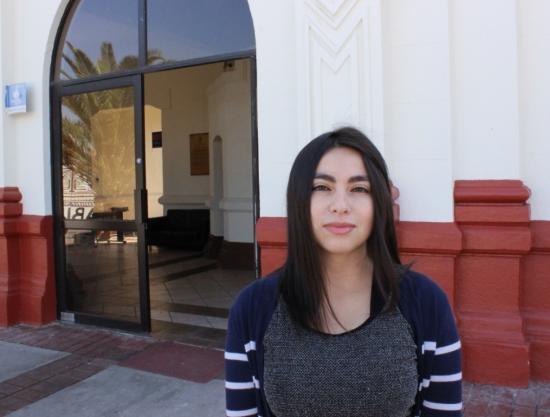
x=535, y=299
x=27, y=280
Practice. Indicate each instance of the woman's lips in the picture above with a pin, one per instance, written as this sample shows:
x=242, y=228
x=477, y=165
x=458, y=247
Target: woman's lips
x=339, y=228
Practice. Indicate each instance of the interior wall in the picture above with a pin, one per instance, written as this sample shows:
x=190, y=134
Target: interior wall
x=153, y=161
x=180, y=94
x=229, y=117
x=198, y=100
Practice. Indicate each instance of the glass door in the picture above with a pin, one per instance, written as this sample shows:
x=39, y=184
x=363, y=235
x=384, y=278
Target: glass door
x=100, y=201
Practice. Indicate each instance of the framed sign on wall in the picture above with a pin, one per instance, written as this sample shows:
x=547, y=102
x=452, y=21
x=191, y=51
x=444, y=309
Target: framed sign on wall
x=198, y=153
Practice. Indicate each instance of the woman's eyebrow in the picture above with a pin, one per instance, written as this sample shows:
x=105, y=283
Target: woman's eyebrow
x=326, y=177
x=359, y=178
x=330, y=178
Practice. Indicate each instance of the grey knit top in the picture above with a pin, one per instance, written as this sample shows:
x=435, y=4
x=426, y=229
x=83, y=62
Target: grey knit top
x=369, y=371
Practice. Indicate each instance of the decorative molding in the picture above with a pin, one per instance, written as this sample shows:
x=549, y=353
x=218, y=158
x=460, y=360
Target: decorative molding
x=178, y=201
x=339, y=67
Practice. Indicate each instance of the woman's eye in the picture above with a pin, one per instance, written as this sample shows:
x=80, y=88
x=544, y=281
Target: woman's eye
x=360, y=189
x=320, y=188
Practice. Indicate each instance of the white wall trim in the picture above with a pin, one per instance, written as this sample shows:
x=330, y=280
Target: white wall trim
x=236, y=204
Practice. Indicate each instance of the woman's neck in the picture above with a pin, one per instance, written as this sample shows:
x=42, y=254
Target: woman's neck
x=348, y=273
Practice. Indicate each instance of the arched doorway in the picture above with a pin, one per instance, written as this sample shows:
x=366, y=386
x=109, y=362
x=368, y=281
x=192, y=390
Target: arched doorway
x=104, y=54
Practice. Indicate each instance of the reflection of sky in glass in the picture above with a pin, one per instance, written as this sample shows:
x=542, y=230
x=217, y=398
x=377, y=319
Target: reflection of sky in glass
x=97, y=21
x=185, y=29
x=69, y=114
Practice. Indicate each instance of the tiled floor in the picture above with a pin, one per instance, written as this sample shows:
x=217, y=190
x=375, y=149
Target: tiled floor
x=193, y=291
x=190, y=295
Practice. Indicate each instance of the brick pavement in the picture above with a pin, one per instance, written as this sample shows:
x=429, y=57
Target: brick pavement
x=493, y=401
x=93, y=350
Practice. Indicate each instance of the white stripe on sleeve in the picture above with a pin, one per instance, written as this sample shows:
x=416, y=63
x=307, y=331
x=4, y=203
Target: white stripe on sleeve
x=250, y=346
x=239, y=385
x=446, y=378
x=443, y=406
x=241, y=413
x=243, y=385
x=440, y=378
x=235, y=356
x=428, y=346
x=449, y=348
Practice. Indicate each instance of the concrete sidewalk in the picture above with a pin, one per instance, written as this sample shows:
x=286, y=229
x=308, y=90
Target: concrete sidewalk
x=70, y=370
x=74, y=370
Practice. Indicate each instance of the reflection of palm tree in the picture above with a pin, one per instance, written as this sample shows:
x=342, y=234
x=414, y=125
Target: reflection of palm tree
x=82, y=66
x=77, y=126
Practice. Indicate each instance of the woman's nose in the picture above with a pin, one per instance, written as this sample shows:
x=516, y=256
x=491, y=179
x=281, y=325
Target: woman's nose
x=339, y=203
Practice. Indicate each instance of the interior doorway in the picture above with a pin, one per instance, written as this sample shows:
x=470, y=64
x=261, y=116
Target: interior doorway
x=199, y=178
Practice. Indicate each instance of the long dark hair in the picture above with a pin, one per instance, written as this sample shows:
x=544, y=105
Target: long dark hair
x=302, y=285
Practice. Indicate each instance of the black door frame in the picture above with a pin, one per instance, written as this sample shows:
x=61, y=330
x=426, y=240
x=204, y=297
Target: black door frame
x=140, y=200
x=58, y=88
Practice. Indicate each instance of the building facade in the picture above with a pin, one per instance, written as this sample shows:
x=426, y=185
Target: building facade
x=454, y=93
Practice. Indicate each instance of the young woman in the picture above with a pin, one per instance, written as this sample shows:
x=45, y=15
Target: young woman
x=343, y=328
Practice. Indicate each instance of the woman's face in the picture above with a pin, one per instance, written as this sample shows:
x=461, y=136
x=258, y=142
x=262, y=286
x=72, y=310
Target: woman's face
x=341, y=204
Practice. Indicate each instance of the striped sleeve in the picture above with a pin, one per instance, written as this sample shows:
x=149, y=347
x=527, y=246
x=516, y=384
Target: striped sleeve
x=441, y=390
x=240, y=381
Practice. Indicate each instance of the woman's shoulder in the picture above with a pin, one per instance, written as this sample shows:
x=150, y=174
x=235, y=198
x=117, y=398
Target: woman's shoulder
x=421, y=290
x=260, y=293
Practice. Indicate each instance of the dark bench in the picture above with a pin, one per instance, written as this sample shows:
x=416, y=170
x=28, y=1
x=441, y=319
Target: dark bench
x=183, y=229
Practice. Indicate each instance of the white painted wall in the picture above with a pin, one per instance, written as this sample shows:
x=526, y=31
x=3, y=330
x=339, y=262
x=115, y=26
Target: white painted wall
x=181, y=94
x=277, y=97
x=4, y=62
x=465, y=87
x=534, y=102
x=27, y=56
x=417, y=107
x=229, y=117
x=484, y=62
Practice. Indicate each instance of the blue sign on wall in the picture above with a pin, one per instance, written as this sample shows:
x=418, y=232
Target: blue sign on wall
x=16, y=98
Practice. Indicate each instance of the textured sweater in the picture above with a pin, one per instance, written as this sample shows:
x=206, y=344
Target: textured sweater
x=422, y=303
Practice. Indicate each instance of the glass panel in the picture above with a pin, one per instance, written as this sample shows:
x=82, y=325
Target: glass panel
x=102, y=273
x=101, y=37
x=185, y=29
x=98, y=148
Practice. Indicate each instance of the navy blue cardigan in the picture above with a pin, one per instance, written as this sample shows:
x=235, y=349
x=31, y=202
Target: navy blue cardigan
x=423, y=304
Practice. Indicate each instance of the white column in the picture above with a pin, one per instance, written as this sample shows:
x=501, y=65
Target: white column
x=534, y=102
x=417, y=107
x=276, y=99
x=485, y=89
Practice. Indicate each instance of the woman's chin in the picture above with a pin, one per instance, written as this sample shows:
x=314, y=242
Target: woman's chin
x=341, y=250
